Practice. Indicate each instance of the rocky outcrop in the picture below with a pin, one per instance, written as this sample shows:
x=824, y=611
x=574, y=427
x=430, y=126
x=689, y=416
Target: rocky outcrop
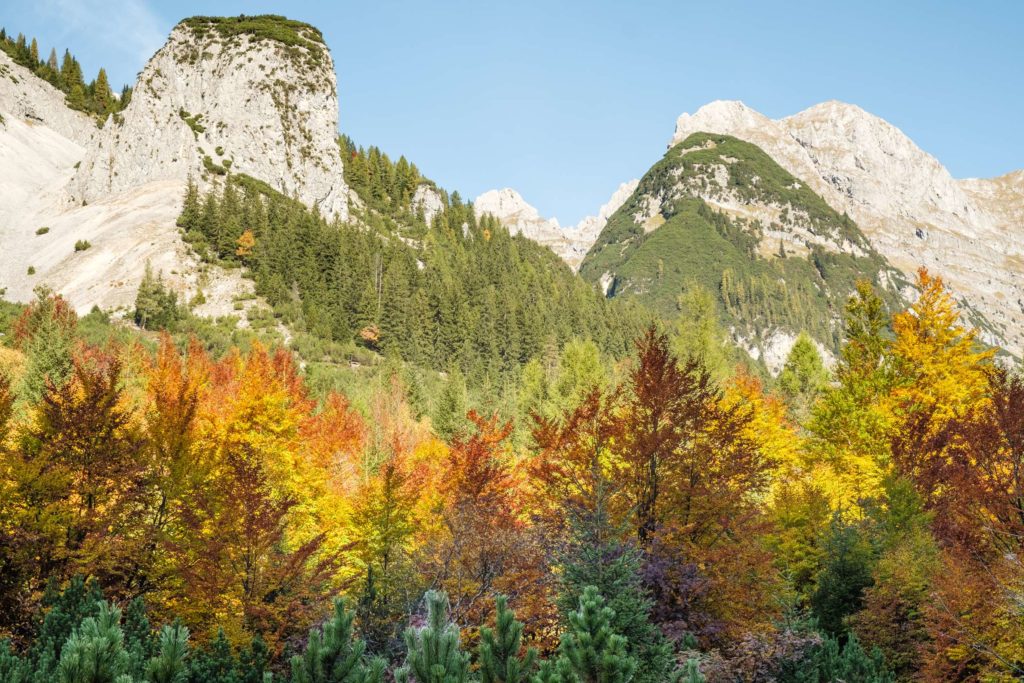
x=570, y=243
x=210, y=101
x=25, y=96
x=427, y=199
x=910, y=207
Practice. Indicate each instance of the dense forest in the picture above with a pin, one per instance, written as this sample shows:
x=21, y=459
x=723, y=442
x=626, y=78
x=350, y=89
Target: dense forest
x=94, y=97
x=661, y=519
x=459, y=293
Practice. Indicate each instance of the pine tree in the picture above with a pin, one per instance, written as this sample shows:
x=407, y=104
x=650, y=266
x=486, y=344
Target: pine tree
x=48, y=349
x=67, y=609
x=434, y=654
x=95, y=651
x=849, y=559
x=501, y=656
x=591, y=652
x=168, y=666
x=333, y=656
x=34, y=53
x=52, y=60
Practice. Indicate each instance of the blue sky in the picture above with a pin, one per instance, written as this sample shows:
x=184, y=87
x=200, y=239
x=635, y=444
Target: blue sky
x=565, y=100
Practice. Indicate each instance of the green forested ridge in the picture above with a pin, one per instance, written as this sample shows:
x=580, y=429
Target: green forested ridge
x=460, y=292
x=697, y=244
x=94, y=97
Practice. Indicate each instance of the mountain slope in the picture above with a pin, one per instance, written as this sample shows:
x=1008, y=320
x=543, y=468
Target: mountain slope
x=718, y=212
x=913, y=211
x=250, y=94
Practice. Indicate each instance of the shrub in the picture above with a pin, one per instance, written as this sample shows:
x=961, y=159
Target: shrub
x=82, y=245
x=42, y=231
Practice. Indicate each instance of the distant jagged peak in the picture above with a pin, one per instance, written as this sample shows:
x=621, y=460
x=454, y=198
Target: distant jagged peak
x=571, y=243
x=508, y=206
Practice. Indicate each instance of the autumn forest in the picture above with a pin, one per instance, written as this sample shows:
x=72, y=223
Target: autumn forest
x=174, y=513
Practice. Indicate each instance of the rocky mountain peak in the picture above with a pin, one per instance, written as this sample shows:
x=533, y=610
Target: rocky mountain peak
x=570, y=243
x=253, y=95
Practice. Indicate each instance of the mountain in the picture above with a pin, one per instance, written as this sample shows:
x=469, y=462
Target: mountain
x=719, y=213
x=908, y=205
x=253, y=95
x=570, y=243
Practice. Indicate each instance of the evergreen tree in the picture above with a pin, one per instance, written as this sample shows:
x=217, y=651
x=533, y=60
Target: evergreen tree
x=215, y=663
x=590, y=651
x=333, y=656
x=48, y=349
x=847, y=571
x=52, y=60
x=34, y=53
x=450, y=415
x=501, y=657
x=66, y=610
x=803, y=377
x=829, y=662
x=156, y=307
x=434, y=654
x=168, y=666
x=95, y=651
x=598, y=558
x=102, y=96
x=191, y=210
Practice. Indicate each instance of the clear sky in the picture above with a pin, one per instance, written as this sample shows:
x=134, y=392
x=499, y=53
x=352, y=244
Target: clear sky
x=565, y=100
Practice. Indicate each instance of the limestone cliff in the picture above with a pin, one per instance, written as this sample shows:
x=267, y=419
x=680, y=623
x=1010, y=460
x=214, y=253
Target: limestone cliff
x=221, y=95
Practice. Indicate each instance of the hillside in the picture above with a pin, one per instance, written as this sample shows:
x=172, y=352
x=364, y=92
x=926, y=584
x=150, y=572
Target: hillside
x=907, y=204
x=719, y=213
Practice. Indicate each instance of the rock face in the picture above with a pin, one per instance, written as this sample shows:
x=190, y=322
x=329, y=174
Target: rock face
x=907, y=203
x=33, y=100
x=210, y=100
x=571, y=243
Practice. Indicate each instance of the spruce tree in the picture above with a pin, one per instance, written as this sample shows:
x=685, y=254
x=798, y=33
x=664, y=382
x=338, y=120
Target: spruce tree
x=450, y=415
x=333, y=656
x=597, y=557
x=803, y=377
x=501, y=657
x=191, y=210
x=102, y=96
x=591, y=652
x=434, y=654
